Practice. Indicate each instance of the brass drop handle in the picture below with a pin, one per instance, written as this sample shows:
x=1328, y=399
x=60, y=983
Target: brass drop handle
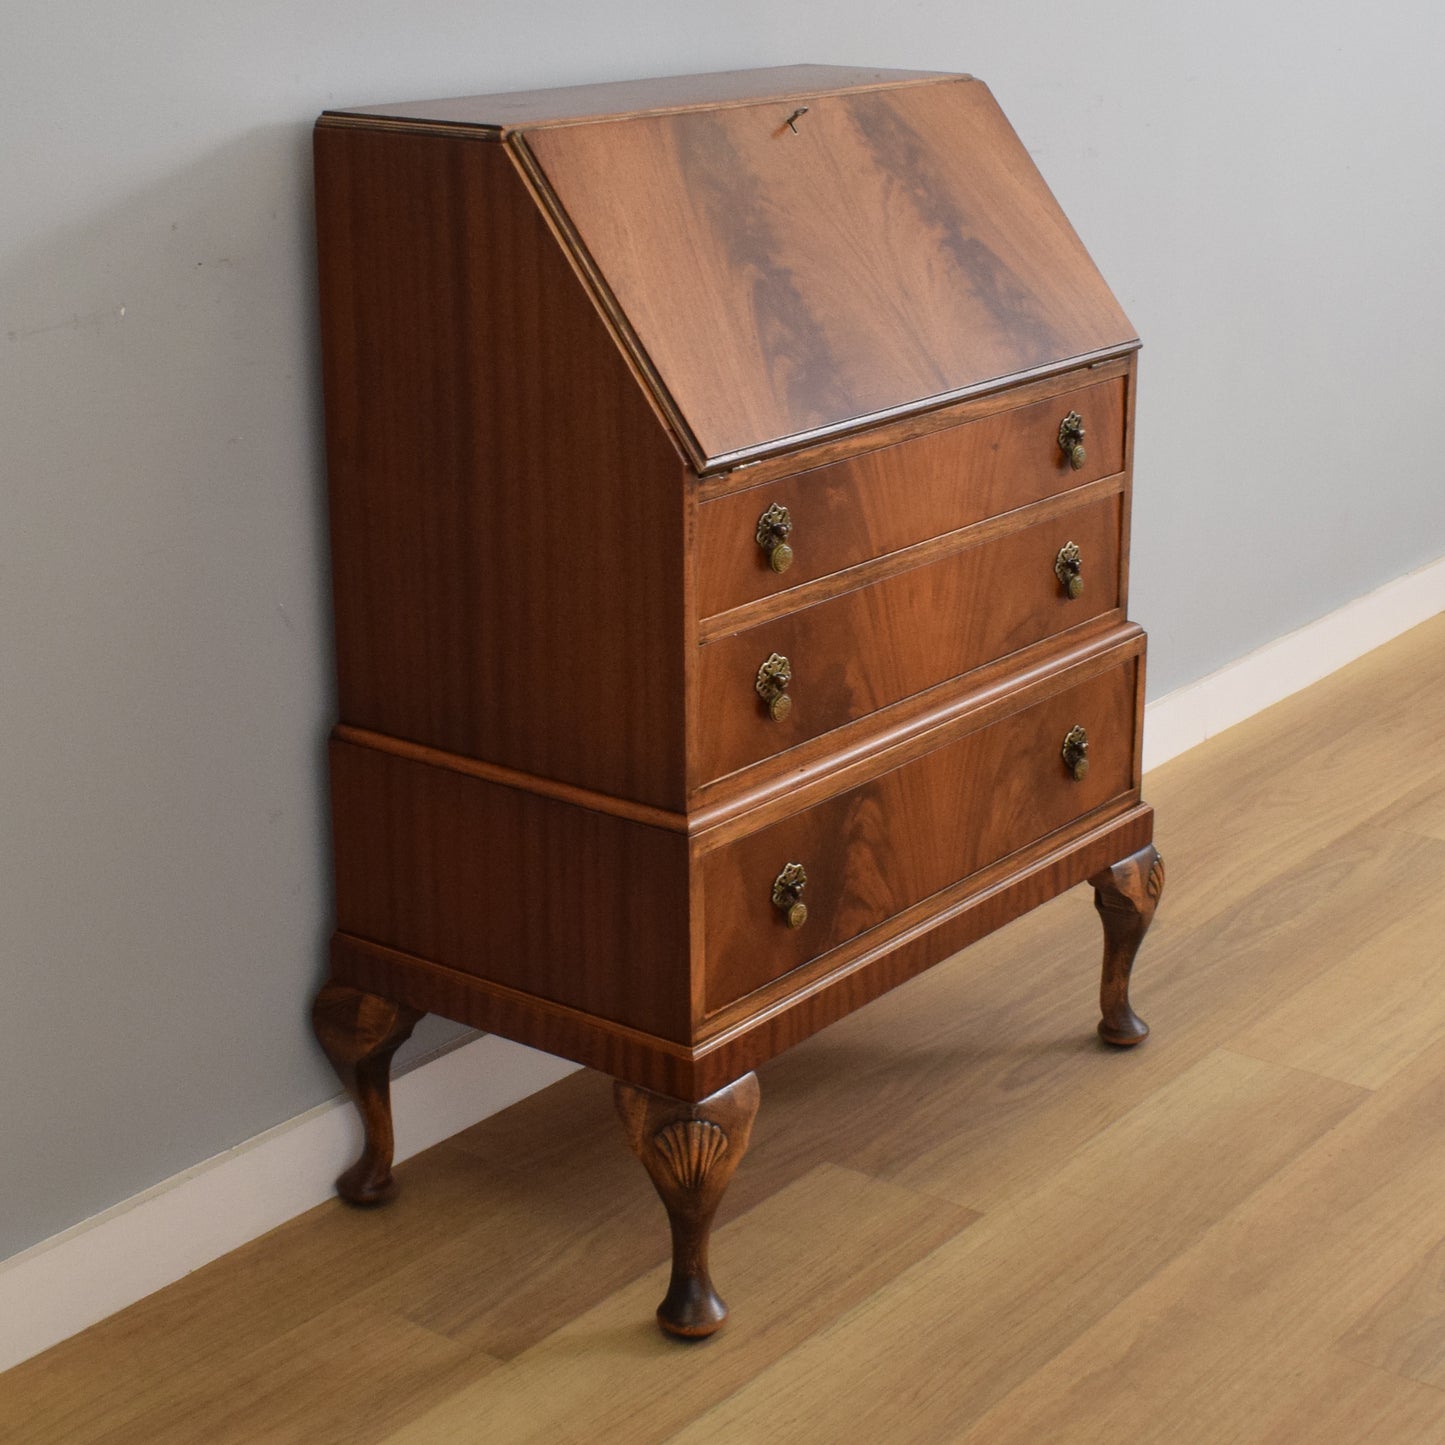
x=788, y=895
x=1071, y=439
x=775, y=526
x=772, y=684
x=1069, y=569
x=1076, y=753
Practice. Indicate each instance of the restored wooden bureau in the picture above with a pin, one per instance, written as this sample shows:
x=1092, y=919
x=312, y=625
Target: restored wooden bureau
x=730, y=484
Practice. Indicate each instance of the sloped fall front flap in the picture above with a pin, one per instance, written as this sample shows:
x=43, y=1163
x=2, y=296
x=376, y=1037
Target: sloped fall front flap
x=886, y=250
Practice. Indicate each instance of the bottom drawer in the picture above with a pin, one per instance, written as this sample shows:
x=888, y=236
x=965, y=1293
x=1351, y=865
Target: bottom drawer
x=879, y=848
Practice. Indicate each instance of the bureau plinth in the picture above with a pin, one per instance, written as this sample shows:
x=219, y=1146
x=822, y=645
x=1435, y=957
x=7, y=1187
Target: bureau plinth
x=730, y=484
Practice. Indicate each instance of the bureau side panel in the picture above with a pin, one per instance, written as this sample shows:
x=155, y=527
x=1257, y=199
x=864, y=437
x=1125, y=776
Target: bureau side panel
x=553, y=900
x=508, y=514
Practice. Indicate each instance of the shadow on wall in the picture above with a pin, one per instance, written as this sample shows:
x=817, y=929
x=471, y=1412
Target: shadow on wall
x=165, y=625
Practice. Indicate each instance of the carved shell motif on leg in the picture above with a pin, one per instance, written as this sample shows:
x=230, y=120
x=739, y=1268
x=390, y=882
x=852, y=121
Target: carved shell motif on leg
x=1155, y=885
x=690, y=1147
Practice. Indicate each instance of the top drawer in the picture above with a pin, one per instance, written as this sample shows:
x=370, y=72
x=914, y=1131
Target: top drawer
x=888, y=499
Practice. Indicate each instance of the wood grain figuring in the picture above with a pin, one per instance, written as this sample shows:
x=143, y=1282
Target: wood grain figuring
x=501, y=112
x=476, y=547
x=872, y=852
x=857, y=653
x=1180, y=1244
x=900, y=248
x=576, y=907
x=894, y=497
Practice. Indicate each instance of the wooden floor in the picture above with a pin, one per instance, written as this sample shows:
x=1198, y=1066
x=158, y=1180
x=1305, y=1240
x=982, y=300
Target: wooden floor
x=962, y=1218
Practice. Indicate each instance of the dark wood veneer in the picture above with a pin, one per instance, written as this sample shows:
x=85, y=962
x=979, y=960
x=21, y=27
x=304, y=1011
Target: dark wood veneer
x=875, y=850
x=476, y=547
x=883, y=501
x=899, y=246
x=574, y=344
x=859, y=652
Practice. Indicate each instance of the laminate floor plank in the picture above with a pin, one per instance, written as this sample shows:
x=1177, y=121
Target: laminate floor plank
x=1404, y=1330
x=1236, y=1332
x=610, y=1376
x=929, y=1351
x=999, y=1131
x=1375, y=1003
x=1285, y=782
x=352, y=1373
x=203, y=1324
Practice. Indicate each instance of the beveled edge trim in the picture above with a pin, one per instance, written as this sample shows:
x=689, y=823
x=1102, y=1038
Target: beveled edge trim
x=994, y=402
x=590, y=274
x=499, y=130
x=926, y=550
x=643, y=813
x=936, y=77
x=452, y=129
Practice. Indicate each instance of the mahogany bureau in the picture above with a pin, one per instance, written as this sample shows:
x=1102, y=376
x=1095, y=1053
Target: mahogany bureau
x=730, y=483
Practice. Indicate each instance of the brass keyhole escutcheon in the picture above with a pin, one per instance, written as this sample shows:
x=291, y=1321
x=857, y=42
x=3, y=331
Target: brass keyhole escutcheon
x=788, y=894
x=1071, y=440
x=775, y=526
x=1069, y=569
x=1076, y=753
x=772, y=684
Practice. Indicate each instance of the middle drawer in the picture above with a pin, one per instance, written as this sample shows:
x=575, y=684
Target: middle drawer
x=864, y=650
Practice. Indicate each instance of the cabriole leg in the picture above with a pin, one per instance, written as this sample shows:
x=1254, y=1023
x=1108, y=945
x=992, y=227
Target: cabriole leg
x=1126, y=896
x=361, y=1033
x=690, y=1152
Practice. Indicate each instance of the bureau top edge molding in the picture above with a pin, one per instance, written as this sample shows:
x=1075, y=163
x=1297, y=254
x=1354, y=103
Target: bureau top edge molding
x=493, y=117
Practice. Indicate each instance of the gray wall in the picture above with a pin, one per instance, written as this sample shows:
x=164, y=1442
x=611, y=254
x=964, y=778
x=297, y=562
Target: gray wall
x=1261, y=181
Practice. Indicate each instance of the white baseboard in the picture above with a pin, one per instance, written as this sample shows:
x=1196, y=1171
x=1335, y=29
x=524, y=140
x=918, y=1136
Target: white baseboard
x=68, y=1282
x=1269, y=674
x=103, y=1264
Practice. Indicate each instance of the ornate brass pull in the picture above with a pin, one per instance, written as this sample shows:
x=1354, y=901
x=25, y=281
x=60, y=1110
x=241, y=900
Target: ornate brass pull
x=1076, y=753
x=1069, y=568
x=773, y=679
x=788, y=894
x=1071, y=439
x=774, y=528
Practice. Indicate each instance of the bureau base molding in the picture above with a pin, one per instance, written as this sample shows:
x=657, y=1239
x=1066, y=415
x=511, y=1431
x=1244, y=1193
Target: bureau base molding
x=878, y=962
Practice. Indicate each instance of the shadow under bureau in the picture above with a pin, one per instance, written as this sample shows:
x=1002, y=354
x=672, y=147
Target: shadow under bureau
x=729, y=484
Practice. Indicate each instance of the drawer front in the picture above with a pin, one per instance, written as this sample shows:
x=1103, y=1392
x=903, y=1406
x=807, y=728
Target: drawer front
x=856, y=653
x=869, y=505
x=875, y=850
